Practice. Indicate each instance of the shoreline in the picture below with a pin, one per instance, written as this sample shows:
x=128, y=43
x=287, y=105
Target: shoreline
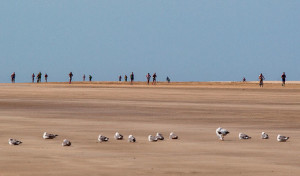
x=213, y=84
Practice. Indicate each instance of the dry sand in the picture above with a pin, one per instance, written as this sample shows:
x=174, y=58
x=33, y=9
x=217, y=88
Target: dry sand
x=81, y=111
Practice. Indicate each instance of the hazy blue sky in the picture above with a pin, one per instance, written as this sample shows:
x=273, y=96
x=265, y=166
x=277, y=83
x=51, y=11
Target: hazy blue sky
x=189, y=40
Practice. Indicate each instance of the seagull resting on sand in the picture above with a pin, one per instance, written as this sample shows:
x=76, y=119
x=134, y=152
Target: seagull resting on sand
x=14, y=142
x=159, y=136
x=221, y=133
x=66, y=143
x=102, y=138
x=282, y=138
x=264, y=135
x=173, y=136
x=244, y=136
x=131, y=138
x=118, y=136
x=152, y=138
x=49, y=136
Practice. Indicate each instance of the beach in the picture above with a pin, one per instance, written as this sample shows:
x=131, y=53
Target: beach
x=81, y=111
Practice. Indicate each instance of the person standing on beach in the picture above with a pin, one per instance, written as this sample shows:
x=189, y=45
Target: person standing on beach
x=39, y=77
x=154, y=78
x=46, y=77
x=244, y=79
x=168, y=79
x=283, y=76
x=261, y=80
x=131, y=77
x=33, y=76
x=83, y=78
x=120, y=78
x=148, y=76
x=70, y=77
x=125, y=78
x=90, y=78
x=13, y=77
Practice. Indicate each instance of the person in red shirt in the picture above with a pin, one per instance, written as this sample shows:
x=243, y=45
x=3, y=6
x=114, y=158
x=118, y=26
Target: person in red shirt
x=46, y=77
x=13, y=77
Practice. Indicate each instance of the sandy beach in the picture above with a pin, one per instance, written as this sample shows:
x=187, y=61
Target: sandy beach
x=81, y=111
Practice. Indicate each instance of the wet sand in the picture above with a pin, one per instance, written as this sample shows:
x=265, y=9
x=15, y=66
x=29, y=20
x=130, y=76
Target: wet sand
x=82, y=111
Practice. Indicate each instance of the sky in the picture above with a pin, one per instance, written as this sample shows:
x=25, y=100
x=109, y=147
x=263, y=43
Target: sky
x=187, y=40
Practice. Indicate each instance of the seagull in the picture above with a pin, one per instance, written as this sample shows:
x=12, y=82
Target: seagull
x=221, y=133
x=159, y=136
x=14, y=142
x=152, y=138
x=131, y=138
x=66, y=143
x=244, y=136
x=264, y=135
x=173, y=136
x=49, y=136
x=102, y=138
x=282, y=138
x=118, y=136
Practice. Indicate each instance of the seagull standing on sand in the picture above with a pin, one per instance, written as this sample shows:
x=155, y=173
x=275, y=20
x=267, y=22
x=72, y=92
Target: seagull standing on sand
x=66, y=143
x=264, y=135
x=221, y=133
x=102, y=138
x=49, y=136
x=131, y=138
x=14, y=142
x=282, y=138
x=159, y=136
x=118, y=136
x=244, y=136
x=173, y=136
x=152, y=138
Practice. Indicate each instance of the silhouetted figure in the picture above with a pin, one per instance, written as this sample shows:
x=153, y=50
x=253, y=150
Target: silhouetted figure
x=154, y=78
x=46, y=77
x=283, y=76
x=13, y=77
x=83, y=78
x=33, y=76
x=168, y=79
x=39, y=77
x=261, y=80
x=70, y=77
x=90, y=78
x=148, y=76
x=131, y=77
x=125, y=78
x=120, y=78
x=244, y=79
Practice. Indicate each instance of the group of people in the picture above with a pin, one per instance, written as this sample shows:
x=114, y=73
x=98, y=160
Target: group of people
x=90, y=78
x=262, y=78
x=148, y=77
x=126, y=78
x=39, y=77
